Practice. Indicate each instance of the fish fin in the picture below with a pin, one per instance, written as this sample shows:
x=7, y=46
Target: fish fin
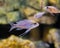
x=25, y=32
x=12, y=26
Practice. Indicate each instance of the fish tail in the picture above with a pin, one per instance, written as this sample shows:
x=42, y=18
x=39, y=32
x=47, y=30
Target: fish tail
x=12, y=26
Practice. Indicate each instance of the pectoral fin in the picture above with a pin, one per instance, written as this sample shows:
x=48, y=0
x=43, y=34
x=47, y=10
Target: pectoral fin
x=25, y=32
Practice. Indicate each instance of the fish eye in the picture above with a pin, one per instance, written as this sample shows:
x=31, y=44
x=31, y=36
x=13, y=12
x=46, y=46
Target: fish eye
x=34, y=23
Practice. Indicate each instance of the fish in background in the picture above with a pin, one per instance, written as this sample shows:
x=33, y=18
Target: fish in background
x=26, y=24
x=39, y=15
x=51, y=9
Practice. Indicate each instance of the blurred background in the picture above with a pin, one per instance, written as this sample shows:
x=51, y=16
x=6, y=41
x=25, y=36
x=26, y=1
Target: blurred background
x=15, y=10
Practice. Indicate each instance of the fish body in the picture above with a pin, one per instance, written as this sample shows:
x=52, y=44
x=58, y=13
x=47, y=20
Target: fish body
x=24, y=24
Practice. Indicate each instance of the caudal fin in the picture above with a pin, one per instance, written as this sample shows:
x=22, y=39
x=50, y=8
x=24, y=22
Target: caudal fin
x=12, y=27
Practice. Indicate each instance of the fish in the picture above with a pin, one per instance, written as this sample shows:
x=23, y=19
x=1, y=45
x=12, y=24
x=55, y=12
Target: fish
x=51, y=9
x=39, y=14
x=24, y=24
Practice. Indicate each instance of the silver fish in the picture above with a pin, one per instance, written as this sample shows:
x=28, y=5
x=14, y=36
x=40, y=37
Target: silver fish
x=39, y=14
x=24, y=24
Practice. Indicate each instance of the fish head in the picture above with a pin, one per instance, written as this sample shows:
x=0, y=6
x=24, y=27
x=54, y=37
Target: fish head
x=51, y=9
